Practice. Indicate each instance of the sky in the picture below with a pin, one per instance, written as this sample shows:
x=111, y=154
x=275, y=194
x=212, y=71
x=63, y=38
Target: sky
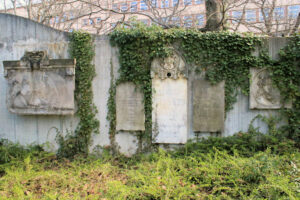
x=9, y=4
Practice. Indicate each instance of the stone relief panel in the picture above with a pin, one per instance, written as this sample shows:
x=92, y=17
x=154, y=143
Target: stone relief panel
x=208, y=106
x=129, y=108
x=171, y=67
x=169, y=101
x=263, y=94
x=38, y=85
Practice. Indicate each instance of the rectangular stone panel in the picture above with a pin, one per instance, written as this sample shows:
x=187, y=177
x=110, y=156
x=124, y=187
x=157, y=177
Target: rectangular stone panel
x=208, y=106
x=169, y=114
x=263, y=93
x=38, y=85
x=130, y=108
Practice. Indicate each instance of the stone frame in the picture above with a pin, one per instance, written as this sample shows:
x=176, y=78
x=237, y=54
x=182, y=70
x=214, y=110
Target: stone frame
x=38, y=85
x=263, y=93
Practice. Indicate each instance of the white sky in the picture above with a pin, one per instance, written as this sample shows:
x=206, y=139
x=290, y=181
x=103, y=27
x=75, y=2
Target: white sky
x=9, y=3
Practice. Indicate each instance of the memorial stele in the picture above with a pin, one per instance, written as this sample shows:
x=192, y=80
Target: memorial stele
x=263, y=93
x=38, y=85
x=130, y=114
x=208, y=106
x=169, y=100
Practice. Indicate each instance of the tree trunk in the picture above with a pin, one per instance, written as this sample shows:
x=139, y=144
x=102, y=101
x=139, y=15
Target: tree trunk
x=213, y=15
x=4, y=5
x=29, y=9
x=294, y=30
x=14, y=2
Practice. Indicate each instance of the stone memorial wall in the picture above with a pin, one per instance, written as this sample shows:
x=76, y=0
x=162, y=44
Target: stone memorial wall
x=36, y=93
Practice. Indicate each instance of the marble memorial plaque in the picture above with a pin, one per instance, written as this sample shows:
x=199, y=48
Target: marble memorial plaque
x=38, y=85
x=169, y=101
x=130, y=108
x=208, y=106
x=263, y=94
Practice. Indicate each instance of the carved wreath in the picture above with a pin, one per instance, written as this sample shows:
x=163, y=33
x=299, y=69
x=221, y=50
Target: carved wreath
x=170, y=67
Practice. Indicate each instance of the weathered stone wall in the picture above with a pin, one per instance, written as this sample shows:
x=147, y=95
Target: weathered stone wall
x=19, y=35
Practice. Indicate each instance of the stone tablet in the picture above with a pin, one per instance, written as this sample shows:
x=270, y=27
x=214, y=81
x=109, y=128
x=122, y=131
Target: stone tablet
x=263, y=94
x=169, y=100
x=40, y=86
x=130, y=108
x=169, y=114
x=208, y=106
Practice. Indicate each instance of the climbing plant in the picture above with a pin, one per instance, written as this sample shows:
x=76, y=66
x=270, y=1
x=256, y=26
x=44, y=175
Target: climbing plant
x=286, y=76
x=111, y=116
x=224, y=56
x=82, y=49
x=138, y=47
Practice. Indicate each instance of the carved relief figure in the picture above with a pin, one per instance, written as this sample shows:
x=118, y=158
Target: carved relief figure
x=38, y=85
x=263, y=93
x=40, y=90
x=35, y=59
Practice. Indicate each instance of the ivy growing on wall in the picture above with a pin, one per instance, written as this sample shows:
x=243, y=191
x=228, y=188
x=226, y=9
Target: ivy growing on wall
x=286, y=76
x=111, y=116
x=223, y=56
x=82, y=49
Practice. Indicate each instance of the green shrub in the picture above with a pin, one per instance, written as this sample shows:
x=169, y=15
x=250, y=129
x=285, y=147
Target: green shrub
x=214, y=175
x=247, y=144
x=13, y=151
x=204, y=170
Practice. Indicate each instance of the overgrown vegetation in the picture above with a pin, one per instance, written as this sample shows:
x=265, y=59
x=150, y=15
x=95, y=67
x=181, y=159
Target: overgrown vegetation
x=82, y=49
x=286, y=75
x=248, y=165
x=223, y=56
x=244, y=166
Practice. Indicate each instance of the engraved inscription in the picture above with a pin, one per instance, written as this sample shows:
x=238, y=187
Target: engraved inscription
x=169, y=115
x=208, y=106
x=130, y=108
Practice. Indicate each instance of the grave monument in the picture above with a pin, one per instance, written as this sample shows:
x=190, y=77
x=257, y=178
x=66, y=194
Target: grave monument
x=38, y=85
x=169, y=100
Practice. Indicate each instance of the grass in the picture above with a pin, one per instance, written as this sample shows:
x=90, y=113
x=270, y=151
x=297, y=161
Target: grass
x=204, y=170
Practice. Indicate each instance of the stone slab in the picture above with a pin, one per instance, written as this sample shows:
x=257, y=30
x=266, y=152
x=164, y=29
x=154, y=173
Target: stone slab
x=263, y=93
x=127, y=143
x=39, y=86
x=208, y=106
x=130, y=108
x=169, y=112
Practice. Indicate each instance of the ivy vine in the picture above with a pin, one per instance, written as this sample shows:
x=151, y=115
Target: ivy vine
x=82, y=49
x=111, y=116
x=224, y=56
x=286, y=75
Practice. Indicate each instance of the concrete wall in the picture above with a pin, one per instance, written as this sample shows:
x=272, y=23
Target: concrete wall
x=19, y=35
